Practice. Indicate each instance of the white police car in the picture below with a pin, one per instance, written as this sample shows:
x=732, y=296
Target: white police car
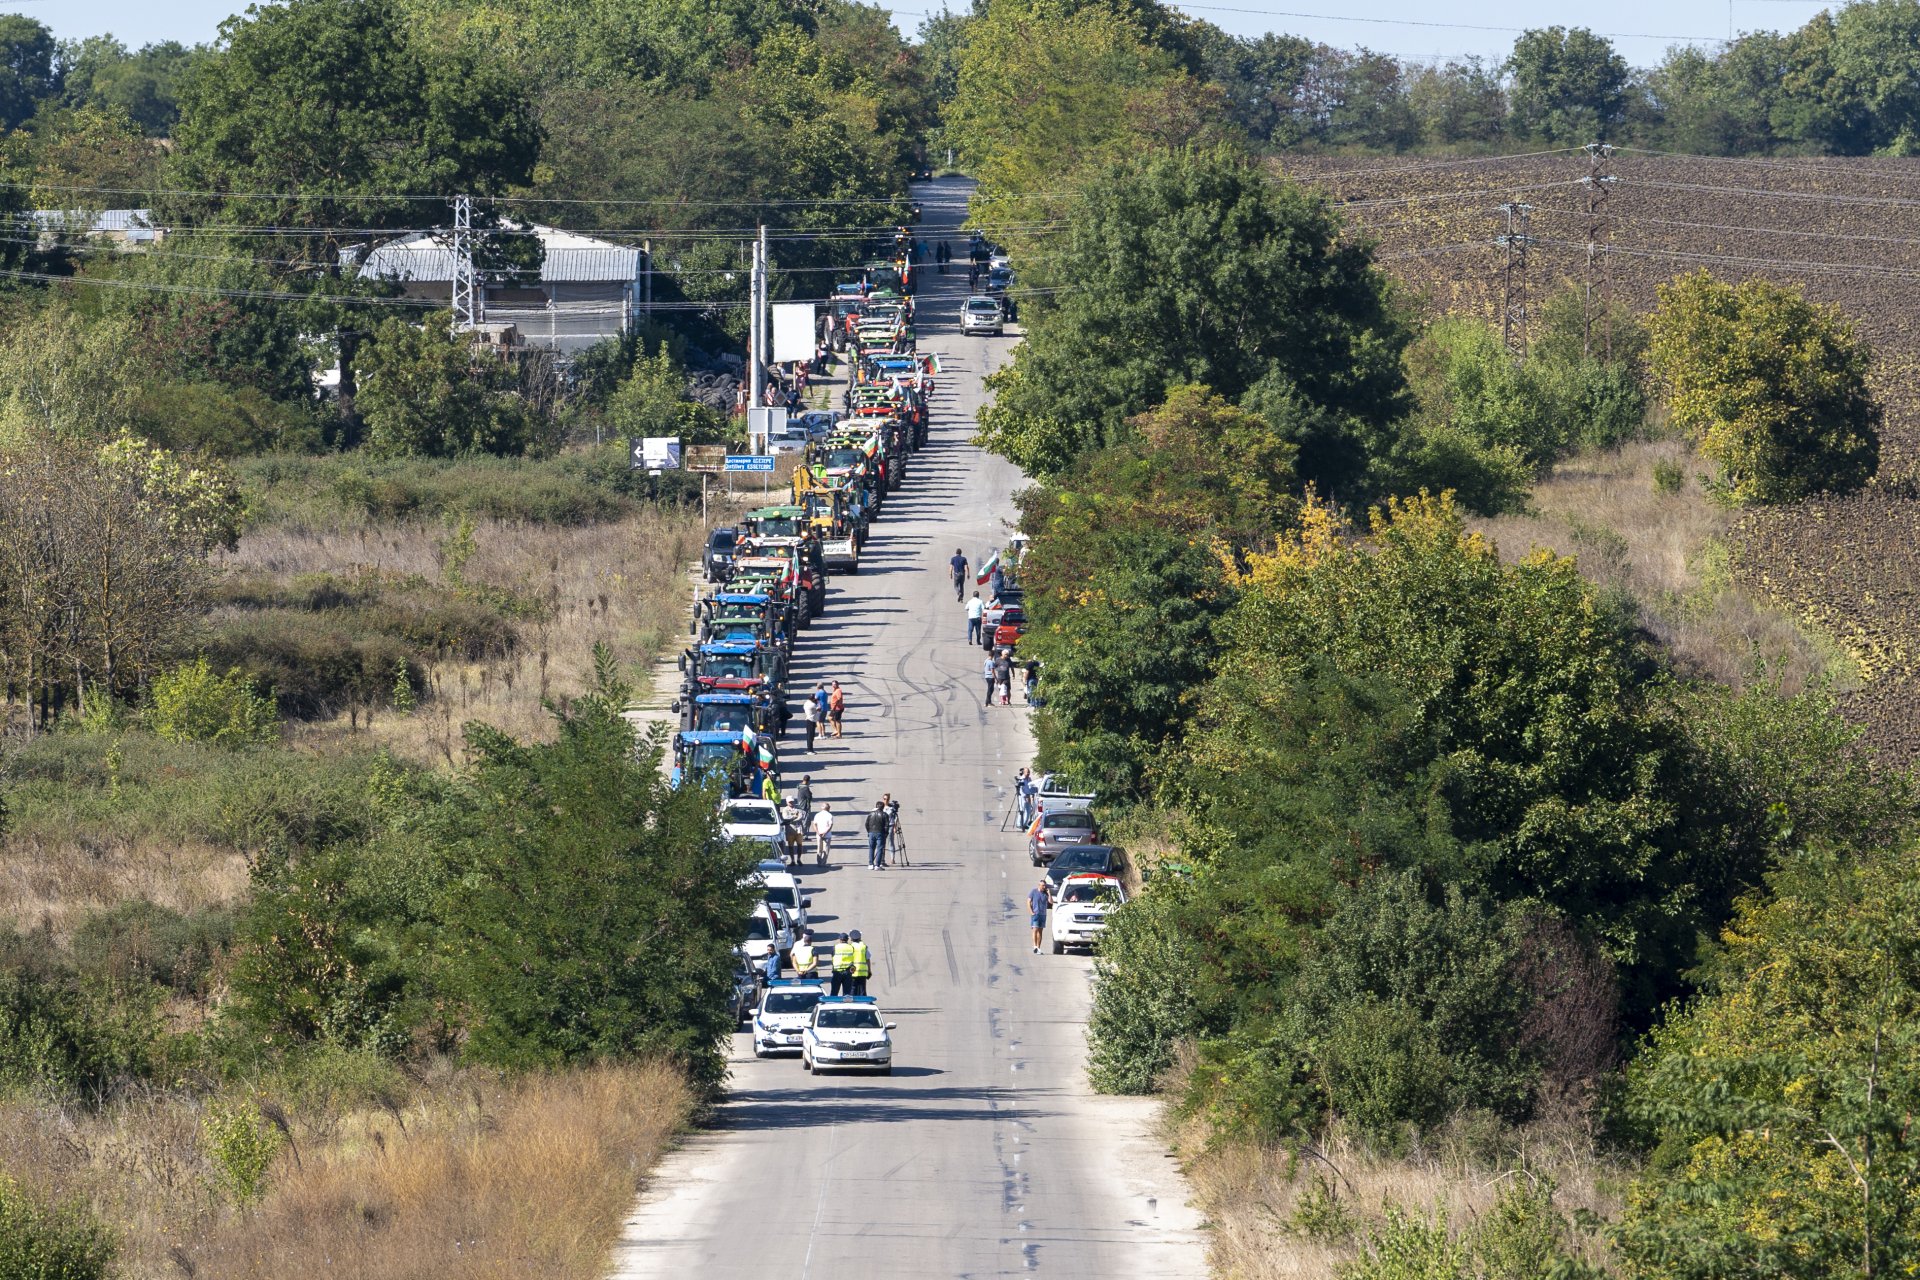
x=846, y=1034
x=785, y=1010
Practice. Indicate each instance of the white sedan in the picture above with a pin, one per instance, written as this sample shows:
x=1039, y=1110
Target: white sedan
x=846, y=1034
x=1080, y=910
x=750, y=818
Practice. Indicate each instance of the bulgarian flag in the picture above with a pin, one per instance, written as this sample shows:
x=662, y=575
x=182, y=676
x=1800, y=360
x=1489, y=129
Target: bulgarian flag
x=986, y=570
x=873, y=445
x=931, y=363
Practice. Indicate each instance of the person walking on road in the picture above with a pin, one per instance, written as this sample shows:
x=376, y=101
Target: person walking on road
x=987, y=673
x=812, y=713
x=803, y=796
x=859, y=966
x=975, y=608
x=823, y=834
x=821, y=700
x=836, y=707
x=842, y=981
x=1037, y=903
x=792, y=838
x=1033, y=678
x=1003, y=676
x=1023, y=797
x=877, y=836
x=959, y=566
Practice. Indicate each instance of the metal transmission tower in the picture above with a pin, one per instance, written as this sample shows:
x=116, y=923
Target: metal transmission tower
x=469, y=302
x=1599, y=185
x=1516, y=241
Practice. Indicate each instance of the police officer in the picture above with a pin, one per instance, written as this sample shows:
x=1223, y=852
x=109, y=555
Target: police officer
x=859, y=966
x=803, y=956
x=842, y=967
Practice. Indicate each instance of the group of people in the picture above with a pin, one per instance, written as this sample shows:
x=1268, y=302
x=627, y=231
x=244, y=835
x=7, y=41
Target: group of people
x=998, y=673
x=825, y=706
x=848, y=965
x=799, y=819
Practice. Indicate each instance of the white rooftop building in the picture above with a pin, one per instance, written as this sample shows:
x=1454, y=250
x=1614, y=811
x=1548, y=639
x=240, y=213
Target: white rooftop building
x=587, y=289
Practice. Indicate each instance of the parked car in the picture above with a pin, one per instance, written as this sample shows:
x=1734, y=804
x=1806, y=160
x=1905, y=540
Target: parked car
x=1007, y=628
x=778, y=886
x=846, y=1032
x=783, y=1015
x=1080, y=909
x=749, y=818
x=746, y=988
x=1052, y=832
x=1085, y=859
x=981, y=315
x=719, y=554
x=768, y=927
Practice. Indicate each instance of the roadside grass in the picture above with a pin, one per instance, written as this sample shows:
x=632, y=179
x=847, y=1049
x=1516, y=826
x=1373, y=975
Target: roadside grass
x=1277, y=1214
x=1662, y=553
x=464, y=1175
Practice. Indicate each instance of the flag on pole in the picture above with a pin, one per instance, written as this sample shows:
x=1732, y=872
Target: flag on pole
x=986, y=570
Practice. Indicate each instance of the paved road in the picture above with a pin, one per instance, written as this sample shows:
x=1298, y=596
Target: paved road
x=983, y=1154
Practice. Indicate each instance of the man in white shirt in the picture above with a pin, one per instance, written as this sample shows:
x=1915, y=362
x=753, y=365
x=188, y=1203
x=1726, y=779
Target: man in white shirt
x=823, y=833
x=975, y=607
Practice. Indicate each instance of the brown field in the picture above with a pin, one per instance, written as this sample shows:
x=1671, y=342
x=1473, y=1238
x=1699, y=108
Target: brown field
x=464, y=1177
x=1846, y=231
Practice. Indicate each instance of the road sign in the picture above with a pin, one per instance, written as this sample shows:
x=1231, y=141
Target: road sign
x=749, y=462
x=655, y=453
x=704, y=457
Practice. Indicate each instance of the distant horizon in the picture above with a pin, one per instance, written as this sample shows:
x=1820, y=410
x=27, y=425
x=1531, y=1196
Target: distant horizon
x=1642, y=30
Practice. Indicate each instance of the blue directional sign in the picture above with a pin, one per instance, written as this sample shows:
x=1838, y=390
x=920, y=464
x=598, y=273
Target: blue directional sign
x=749, y=462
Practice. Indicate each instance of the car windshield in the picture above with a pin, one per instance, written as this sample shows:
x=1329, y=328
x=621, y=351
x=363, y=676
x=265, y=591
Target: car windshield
x=1076, y=820
x=844, y=457
x=723, y=538
x=1085, y=892
x=736, y=668
x=726, y=716
x=713, y=755
x=779, y=526
x=783, y=895
x=756, y=812
x=840, y=1019
x=758, y=930
x=1080, y=860
x=792, y=1001
x=986, y=305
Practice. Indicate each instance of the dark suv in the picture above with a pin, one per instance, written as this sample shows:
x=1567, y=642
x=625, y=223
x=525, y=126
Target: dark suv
x=718, y=560
x=1100, y=859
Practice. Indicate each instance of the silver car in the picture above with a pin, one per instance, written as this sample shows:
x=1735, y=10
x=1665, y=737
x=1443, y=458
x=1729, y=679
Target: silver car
x=980, y=315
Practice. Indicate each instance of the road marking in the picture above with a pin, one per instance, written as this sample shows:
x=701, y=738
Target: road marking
x=819, y=1208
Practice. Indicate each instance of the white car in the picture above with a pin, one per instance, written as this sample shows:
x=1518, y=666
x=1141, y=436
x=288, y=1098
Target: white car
x=750, y=818
x=1080, y=910
x=777, y=885
x=846, y=1034
x=981, y=315
x=785, y=1010
x=769, y=927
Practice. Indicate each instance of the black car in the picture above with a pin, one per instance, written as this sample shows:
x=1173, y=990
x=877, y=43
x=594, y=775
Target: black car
x=1083, y=859
x=746, y=990
x=718, y=559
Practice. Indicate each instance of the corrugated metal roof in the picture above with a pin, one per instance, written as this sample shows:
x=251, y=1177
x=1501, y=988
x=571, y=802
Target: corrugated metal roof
x=102, y=220
x=424, y=258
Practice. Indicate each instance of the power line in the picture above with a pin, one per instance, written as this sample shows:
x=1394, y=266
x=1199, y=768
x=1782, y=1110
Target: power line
x=1459, y=163
x=1891, y=202
x=1639, y=220
x=1787, y=166
x=1385, y=202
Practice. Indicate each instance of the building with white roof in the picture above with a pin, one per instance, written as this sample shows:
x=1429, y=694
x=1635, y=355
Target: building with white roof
x=587, y=289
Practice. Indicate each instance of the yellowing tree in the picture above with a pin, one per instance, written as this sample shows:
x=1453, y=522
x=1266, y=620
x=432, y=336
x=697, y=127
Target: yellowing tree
x=1769, y=386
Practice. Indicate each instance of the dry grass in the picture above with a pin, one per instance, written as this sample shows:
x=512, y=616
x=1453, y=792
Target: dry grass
x=1667, y=552
x=49, y=885
x=623, y=583
x=469, y=1178
x=1252, y=1195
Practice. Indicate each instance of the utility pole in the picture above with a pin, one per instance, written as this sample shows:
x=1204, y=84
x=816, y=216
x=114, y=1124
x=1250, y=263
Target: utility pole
x=469, y=302
x=763, y=313
x=1513, y=326
x=646, y=282
x=756, y=367
x=1599, y=185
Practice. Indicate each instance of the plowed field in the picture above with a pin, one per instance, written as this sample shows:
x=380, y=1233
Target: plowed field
x=1847, y=231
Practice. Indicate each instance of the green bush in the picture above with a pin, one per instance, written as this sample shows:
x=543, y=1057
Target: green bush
x=191, y=704
x=1145, y=993
x=314, y=664
x=42, y=1241
x=68, y=1037
x=240, y=1144
x=318, y=492
x=141, y=941
x=1409, y=1248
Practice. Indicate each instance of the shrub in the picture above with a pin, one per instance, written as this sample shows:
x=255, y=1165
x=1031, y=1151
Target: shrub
x=191, y=704
x=41, y=1241
x=72, y=1038
x=240, y=1144
x=1146, y=979
x=141, y=941
x=315, y=664
x=1669, y=476
x=1770, y=387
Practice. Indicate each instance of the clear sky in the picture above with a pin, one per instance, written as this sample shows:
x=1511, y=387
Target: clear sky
x=1641, y=29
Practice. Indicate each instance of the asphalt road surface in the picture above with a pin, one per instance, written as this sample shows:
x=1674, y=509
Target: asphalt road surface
x=984, y=1154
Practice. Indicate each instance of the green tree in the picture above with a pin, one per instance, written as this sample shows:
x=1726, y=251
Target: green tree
x=594, y=908
x=26, y=68
x=1770, y=387
x=1783, y=1099
x=1197, y=267
x=192, y=704
x=328, y=114
x=66, y=378
x=145, y=86
x=652, y=401
x=42, y=1241
x=1569, y=86
x=427, y=391
x=1460, y=101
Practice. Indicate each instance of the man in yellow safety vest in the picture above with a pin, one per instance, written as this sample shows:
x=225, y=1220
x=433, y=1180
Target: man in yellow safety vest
x=842, y=966
x=860, y=966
